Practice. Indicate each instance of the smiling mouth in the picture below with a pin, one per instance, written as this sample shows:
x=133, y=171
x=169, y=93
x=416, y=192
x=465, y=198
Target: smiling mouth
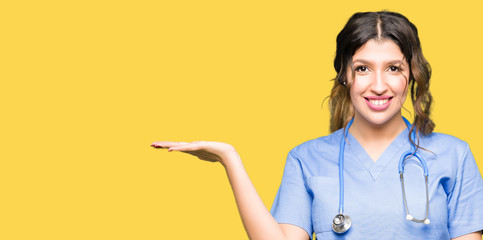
x=378, y=101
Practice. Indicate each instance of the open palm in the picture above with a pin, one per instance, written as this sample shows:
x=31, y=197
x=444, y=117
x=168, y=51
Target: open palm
x=204, y=150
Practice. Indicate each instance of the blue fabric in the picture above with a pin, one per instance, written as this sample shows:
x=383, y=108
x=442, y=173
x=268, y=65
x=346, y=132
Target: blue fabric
x=309, y=193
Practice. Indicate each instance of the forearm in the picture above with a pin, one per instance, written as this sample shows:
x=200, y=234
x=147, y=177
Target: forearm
x=258, y=222
x=471, y=236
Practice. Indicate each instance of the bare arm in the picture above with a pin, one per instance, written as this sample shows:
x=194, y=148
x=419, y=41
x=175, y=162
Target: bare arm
x=257, y=220
x=471, y=236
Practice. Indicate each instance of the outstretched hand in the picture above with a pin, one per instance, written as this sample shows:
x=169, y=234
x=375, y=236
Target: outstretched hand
x=204, y=150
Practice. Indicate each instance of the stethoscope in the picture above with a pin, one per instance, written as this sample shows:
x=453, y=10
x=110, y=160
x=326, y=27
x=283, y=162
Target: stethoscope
x=342, y=222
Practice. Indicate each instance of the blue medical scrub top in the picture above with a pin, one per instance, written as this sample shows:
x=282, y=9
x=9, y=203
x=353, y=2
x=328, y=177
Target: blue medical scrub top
x=308, y=196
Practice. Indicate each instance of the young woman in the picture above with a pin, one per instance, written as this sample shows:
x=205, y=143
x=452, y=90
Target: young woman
x=380, y=176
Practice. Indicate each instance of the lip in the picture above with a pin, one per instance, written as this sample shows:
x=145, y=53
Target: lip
x=378, y=107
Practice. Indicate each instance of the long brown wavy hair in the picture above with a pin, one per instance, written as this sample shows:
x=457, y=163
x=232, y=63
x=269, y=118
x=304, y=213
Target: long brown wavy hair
x=383, y=25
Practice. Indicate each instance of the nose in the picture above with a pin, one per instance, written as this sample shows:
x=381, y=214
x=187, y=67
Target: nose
x=379, y=83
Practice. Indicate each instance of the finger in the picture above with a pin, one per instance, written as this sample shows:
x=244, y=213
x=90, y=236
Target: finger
x=194, y=146
x=166, y=144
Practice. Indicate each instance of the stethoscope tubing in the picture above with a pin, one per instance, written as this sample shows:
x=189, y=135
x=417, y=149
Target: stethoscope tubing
x=339, y=228
x=412, y=152
x=341, y=166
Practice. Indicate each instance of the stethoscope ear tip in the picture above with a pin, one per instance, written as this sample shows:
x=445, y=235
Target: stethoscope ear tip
x=409, y=217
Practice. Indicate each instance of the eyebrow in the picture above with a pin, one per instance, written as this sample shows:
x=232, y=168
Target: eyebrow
x=369, y=62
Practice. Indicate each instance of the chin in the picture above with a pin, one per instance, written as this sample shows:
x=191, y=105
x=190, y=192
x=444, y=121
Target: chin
x=379, y=119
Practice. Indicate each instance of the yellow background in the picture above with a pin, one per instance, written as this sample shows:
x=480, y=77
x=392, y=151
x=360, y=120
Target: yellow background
x=86, y=86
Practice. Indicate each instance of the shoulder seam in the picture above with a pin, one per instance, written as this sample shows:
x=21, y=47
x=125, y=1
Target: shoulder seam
x=460, y=165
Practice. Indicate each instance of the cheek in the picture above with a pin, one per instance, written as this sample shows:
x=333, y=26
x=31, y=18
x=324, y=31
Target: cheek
x=400, y=88
x=356, y=91
x=403, y=98
x=360, y=84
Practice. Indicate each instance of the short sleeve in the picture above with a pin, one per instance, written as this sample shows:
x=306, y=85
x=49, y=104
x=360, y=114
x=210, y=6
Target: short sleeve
x=465, y=202
x=293, y=203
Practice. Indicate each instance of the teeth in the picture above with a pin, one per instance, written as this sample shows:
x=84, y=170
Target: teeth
x=379, y=102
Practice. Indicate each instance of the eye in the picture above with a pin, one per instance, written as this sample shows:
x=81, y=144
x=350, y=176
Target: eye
x=393, y=69
x=362, y=69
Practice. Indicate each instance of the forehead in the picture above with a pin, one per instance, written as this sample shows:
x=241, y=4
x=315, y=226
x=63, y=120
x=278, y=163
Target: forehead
x=378, y=51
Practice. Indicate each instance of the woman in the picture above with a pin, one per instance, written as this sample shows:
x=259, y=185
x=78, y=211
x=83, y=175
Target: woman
x=378, y=59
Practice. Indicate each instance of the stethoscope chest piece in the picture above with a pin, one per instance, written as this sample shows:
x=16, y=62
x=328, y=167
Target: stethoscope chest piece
x=341, y=223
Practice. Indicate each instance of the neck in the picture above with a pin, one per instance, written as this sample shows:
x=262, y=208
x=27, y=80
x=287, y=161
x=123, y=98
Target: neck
x=364, y=130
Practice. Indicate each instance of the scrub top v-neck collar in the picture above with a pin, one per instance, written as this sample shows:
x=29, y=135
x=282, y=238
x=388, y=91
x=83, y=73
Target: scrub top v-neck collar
x=391, y=152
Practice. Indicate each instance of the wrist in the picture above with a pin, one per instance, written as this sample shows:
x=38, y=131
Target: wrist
x=230, y=159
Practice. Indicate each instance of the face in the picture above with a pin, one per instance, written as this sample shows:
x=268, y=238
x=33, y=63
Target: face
x=380, y=82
